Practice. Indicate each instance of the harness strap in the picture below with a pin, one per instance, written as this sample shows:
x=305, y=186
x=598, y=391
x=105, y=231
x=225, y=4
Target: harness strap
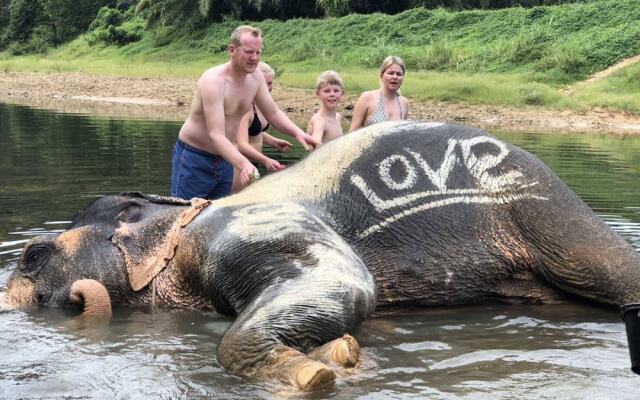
x=141, y=277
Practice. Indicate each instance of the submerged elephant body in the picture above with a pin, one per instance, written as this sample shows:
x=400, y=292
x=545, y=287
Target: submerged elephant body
x=397, y=214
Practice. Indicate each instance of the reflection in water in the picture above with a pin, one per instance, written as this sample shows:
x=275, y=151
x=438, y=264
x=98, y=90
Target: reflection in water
x=52, y=165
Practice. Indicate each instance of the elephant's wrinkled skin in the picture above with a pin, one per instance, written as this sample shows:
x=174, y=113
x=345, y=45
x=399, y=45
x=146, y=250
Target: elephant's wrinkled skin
x=396, y=214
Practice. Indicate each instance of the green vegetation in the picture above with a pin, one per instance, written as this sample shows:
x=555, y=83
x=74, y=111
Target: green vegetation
x=620, y=91
x=515, y=56
x=28, y=26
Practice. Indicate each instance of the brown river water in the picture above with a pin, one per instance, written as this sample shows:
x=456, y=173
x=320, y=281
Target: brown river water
x=52, y=165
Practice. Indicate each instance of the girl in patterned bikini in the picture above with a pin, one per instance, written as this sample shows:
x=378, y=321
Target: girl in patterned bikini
x=386, y=103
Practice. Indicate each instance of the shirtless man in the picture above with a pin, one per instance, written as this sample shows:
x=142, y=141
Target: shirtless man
x=205, y=154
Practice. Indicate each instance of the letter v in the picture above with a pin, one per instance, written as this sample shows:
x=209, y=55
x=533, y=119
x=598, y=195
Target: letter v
x=439, y=177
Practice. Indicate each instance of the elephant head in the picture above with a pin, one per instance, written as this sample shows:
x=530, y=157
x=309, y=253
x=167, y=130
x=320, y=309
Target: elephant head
x=89, y=264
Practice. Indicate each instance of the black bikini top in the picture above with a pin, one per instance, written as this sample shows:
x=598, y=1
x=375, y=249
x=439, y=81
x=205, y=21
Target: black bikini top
x=256, y=127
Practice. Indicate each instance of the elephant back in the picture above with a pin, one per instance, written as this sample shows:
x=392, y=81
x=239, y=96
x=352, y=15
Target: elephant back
x=389, y=174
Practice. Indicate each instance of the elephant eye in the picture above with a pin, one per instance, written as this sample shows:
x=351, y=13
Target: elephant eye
x=130, y=215
x=35, y=257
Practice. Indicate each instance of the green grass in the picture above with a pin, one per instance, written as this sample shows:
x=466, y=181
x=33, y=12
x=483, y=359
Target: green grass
x=619, y=91
x=512, y=57
x=487, y=88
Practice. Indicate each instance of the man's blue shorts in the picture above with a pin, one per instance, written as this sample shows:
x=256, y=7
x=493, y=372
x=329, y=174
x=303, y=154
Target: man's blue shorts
x=196, y=173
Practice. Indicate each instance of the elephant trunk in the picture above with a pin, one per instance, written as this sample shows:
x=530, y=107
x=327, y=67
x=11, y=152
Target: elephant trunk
x=19, y=292
x=93, y=296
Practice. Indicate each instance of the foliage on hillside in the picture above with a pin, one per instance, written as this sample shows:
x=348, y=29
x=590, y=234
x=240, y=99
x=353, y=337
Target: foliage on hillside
x=34, y=26
x=516, y=56
x=28, y=26
x=551, y=44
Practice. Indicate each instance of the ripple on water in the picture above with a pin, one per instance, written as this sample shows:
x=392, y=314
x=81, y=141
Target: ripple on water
x=602, y=359
x=564, y=352
x=420, y=346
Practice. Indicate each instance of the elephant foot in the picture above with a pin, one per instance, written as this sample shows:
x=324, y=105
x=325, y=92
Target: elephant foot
x=304, y=373
x=314, y=375
x=344, y=351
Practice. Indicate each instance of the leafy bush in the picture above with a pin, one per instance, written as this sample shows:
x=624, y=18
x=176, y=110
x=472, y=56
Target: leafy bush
x=39, y=42
x=107, y=16
x=71, y=18
x=36, y=25
x=163, y=35
x=112, y=26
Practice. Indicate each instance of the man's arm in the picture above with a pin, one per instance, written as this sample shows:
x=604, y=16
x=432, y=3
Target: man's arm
x=212, y=93
x=279, y=119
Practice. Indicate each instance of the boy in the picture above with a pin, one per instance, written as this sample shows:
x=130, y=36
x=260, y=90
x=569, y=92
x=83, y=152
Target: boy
x=325, y=125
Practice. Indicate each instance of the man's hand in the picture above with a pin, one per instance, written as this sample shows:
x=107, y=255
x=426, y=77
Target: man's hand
x=273, y=165
x=307, y=141
x=247, y=171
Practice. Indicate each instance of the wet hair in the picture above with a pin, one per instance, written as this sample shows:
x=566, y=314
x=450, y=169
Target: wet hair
x=329, y=78
x=266, y=68
x=389, y=61
x=234, y=40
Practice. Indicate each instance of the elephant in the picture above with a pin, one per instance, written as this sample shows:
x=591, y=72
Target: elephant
x=398, y=214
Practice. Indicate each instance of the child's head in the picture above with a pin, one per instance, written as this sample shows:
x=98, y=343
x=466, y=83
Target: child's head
x=328, y=78
x=329, y=89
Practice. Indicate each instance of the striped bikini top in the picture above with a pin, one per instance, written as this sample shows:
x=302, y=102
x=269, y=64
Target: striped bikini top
x=379, y=114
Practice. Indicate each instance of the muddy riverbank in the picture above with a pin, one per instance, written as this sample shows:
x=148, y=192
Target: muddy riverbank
x=169, y=99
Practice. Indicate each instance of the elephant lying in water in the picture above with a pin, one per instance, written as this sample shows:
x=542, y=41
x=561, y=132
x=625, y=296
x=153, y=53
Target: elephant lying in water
x=397, y=214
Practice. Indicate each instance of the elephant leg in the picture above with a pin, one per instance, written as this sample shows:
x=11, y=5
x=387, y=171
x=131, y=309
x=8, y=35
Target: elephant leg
x=344, y=352
x=578, y=253
x=269, y=339
x=284, y=321
x=297, y=369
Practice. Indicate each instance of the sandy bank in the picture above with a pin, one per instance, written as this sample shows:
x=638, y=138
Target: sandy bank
x=169, y=99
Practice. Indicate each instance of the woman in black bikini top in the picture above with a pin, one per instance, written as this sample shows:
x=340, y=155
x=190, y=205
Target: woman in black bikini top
x=256, y=127
x=252, y=135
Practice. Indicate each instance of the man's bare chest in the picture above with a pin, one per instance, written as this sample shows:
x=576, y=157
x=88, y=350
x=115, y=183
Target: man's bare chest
x=238, y=99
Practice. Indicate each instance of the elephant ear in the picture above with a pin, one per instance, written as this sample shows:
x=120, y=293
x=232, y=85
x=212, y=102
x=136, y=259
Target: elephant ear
x=148, y=246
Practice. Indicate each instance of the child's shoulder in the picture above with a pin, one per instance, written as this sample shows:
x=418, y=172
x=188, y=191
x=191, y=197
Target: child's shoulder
x=316, y=116
x=316, y=119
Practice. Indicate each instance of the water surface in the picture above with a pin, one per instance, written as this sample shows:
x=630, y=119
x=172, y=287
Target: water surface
x=52, y=165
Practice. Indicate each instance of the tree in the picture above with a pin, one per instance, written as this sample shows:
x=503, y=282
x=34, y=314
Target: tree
x=72, y=17
x=24, y=16
x=4, y=21
x=4, y=13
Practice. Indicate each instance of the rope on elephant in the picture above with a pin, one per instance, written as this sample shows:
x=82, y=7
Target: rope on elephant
x=141, y=277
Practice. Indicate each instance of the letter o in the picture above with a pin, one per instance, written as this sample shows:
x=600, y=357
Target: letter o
x=385, y=173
